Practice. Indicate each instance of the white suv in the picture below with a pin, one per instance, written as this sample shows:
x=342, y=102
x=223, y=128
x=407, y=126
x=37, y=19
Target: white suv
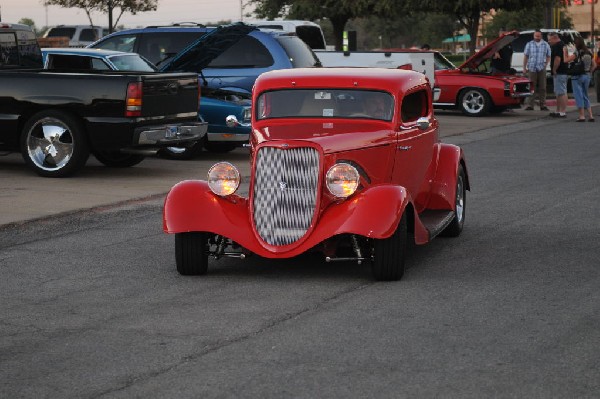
x=79, y=35
x=567, y=36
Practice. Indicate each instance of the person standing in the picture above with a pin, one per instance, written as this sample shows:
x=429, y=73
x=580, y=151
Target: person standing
x=558, y=68
x=502, y=58
x=536, y=59
x=581, y=83
x=597, y=73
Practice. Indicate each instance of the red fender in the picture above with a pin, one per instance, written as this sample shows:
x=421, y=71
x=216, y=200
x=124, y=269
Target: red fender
x=443, y=187
x=191, y=206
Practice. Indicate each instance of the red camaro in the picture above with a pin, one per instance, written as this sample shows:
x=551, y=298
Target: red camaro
x=473, y=89
x=344, y=161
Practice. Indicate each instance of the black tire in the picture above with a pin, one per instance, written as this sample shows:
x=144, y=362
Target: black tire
x=116, y=159
x=181, y=153
x=474, y=102
x=219, y=148
x=389, y=254
x=191, y=253
x=54, y=144
x=456, y=225
x=497, y=110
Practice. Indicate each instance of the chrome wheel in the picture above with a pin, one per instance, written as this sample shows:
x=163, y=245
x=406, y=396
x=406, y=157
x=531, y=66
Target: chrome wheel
x=460, y=199
x=54, y=144
x=474, y=102
x=50, y=144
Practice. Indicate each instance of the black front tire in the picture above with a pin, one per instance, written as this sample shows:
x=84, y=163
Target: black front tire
x=116, y=159
x=191, y=253
x=219, y=148
x=54, y=144
x=456, y=225
x=389, y=254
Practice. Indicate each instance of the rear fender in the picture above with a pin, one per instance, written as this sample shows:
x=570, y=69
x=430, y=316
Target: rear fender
x=443, y=188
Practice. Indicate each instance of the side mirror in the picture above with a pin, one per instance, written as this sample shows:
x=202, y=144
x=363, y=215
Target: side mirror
x=423, y=123
x=232, y=121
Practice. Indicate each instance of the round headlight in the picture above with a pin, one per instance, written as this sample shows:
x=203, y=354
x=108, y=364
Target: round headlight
x=342, y=180
x=223, y=178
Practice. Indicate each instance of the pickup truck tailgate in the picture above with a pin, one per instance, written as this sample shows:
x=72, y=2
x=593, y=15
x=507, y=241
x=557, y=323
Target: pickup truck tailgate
x=169, y=94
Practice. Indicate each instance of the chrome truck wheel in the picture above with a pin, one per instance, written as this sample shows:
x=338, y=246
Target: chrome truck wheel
x=53, y=144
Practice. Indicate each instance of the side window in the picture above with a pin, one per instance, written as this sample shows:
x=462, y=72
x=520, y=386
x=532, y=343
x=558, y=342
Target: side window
x=414, y=106
x=162, y=45
x=69, y=62
x=119, y=43
x=247, y=53
x=88, y=35
x=31, y=56
x=99, y=64
x=9, y=54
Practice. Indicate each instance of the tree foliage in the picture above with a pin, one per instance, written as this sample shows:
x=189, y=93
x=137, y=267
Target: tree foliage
x=338, y=12
x=468, y=12
x=521, y=20
x=108, y=7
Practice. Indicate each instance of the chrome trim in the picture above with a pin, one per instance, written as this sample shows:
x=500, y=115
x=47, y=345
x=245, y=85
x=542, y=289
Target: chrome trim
x=172, y=134
x=230, y=137
x=283, y=213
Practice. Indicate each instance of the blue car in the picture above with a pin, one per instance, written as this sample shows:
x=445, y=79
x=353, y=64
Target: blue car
x=93, y=59
x=228, y=60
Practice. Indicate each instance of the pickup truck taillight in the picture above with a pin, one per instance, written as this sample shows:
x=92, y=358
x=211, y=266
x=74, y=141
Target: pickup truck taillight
x=133, y=101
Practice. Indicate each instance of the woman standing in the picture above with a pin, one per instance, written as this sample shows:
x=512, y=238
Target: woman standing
x=581, y=83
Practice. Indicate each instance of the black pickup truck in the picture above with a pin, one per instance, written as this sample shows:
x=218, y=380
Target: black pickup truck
x=57, y=119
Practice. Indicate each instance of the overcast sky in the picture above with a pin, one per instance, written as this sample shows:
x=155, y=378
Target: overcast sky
x=168, y=11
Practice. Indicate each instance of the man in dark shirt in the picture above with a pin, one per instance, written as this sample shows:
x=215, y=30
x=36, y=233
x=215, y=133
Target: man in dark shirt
x=558, y=67
x=502, y=58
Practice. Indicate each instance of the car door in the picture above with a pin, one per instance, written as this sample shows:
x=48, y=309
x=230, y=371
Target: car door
x=414, y=145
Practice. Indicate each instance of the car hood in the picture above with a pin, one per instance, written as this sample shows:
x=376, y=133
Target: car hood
x=488, y=51
x=200, y=53
x=357, y=134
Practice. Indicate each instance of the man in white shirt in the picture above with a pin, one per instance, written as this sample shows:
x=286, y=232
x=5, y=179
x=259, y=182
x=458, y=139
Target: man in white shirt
x=536, y=59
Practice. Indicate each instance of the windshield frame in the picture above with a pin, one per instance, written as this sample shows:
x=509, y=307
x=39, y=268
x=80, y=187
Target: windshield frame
x=330, y=103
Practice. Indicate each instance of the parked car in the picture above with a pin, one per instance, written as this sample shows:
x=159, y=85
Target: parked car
x=473, y=89
x=345, y=161
x=95, y=59
x=56, y=118
x=228, y=60
x=216, y=105
x=79, y=35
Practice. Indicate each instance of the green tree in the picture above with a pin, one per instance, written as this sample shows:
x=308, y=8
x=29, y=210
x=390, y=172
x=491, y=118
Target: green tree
x=338, y=12
x=108, y=7
x=521, y=20
x=468, y=12
x=29, y=22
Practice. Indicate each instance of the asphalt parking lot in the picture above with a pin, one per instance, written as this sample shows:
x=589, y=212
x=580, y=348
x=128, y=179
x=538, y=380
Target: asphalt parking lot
x=27, y=197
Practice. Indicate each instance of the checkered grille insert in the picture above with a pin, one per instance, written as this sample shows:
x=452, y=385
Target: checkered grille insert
x=285, y=193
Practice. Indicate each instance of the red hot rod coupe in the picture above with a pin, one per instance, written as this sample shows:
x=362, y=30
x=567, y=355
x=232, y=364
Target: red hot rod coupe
x=343, y=161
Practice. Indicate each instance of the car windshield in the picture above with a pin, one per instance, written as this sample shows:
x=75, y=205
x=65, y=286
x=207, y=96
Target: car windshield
x=325, y=103
x=300, y=55
x=440, y=62
x=132, y=62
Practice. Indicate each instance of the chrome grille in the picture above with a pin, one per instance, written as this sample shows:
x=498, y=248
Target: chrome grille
x=285, y=193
